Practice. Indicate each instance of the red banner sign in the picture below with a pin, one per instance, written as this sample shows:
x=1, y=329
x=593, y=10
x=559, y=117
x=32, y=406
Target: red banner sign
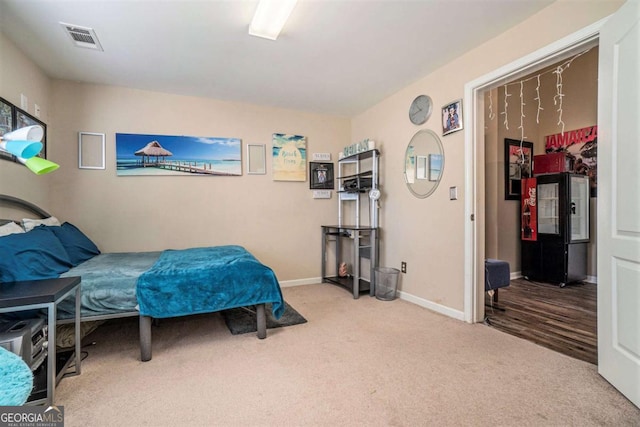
x=582, y=146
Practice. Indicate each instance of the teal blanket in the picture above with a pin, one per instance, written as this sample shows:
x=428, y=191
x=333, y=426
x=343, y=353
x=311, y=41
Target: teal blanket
x=204, y=280
x=108, y=284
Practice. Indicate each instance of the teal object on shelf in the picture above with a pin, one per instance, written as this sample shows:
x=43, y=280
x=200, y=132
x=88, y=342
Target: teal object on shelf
x=16, y=379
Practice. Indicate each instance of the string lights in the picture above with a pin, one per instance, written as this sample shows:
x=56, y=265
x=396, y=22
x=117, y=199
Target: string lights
x=557, y=99
x=492, y=115
x=522, y=104
x=537, y=98
x=506, y=105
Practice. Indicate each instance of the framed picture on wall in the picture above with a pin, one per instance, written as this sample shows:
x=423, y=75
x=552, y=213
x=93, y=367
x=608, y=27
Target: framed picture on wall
x=7, y=114
x=518, y=164
x=289, y=156
x=452, y=117
x=435, y=166
x=22, y=119
x=320, y=176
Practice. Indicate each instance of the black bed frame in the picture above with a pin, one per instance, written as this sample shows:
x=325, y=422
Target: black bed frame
x=144, y=321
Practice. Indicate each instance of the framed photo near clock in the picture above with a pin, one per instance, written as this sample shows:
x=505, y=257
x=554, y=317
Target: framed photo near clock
x=452, y=117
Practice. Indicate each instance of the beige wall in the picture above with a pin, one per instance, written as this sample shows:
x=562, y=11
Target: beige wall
x=429, y=234
x=277, y=221
x=19, y=75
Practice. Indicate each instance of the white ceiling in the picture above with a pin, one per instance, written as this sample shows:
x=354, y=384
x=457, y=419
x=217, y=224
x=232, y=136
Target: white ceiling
x=334, y=56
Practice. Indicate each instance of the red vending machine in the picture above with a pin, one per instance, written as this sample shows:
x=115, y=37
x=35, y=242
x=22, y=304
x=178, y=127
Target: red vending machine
x=555, y=249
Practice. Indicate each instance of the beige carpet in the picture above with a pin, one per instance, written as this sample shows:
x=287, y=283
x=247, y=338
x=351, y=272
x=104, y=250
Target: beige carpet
x=359, y=362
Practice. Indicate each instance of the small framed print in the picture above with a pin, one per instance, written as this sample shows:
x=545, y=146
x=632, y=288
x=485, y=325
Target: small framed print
x=452, y=117
x=256, y=159
x=435, y=166
x=421, y=167
x=518, y=165
x=22, y=119
x=7, y=114
x=320, y=176
x=7, y=118
x=91, y=150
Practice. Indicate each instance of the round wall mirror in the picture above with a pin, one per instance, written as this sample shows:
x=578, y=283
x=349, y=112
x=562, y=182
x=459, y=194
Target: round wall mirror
x=424, y=163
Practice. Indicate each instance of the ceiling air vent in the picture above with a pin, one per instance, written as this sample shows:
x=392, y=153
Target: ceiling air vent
x=82, y=36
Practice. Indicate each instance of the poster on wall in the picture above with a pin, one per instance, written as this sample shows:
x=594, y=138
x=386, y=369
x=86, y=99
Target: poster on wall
x=142, y=154
x=518, y=164
x=7, y=113
x=582, y=146
x=529, y=221
x=289, y=157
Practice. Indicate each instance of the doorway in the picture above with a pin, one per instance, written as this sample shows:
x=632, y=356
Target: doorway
x=553, y=109
x=475, y=203
x=617, y=113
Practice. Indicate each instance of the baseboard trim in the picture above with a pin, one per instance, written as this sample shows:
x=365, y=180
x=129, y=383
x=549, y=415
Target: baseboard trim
x=438, y=308
x=430, y=305
x=518, y=274
x=300, y=282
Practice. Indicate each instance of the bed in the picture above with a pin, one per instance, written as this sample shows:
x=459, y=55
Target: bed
x=150, y=285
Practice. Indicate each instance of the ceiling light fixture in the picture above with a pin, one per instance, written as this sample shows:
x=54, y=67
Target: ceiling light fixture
x=270, y=17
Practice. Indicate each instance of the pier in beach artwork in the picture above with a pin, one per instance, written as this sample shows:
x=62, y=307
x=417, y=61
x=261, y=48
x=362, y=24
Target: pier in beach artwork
x=142, y=154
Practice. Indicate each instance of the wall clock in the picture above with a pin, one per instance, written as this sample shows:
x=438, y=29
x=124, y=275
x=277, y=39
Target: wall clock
x=420, y=109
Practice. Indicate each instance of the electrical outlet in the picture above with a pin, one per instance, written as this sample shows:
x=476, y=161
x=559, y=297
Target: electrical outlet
x=403, y=267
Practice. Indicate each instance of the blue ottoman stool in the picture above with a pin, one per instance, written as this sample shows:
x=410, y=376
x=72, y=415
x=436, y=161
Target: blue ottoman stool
x=496, y=275
x=16, y=379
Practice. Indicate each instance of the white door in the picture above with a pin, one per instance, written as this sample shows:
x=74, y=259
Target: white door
x=619, y=201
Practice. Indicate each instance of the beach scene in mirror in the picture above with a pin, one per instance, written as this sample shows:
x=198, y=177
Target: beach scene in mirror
x=141, y=154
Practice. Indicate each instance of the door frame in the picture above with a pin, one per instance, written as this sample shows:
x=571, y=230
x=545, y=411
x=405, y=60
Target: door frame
x=474, y=154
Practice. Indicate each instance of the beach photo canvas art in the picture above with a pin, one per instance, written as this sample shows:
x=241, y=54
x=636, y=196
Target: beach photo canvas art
x=289, y=157
x=141, y=154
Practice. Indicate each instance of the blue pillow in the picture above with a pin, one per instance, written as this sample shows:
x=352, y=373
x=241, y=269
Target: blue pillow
x=35, y=255
x=79, y=247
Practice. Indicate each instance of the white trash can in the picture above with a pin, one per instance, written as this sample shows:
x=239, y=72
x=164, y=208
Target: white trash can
x=386, y=283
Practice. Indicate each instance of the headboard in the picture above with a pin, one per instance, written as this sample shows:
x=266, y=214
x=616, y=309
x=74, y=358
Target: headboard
x=10, y=201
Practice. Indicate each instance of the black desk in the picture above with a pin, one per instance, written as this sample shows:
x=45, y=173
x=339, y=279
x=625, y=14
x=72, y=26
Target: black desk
x=37, y=294
x=365, y=245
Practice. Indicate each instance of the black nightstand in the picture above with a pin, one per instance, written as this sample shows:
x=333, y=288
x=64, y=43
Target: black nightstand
x=37, y=294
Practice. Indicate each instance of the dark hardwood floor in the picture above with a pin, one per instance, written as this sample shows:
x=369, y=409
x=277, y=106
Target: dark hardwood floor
x=562, y=319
